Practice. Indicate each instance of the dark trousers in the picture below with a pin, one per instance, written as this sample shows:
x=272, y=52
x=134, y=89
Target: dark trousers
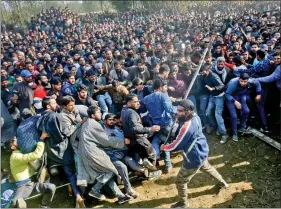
x=244, y=113
x=123, y=172
x=24, y=191
x=261, y=105
x=70, y=171
x=142, y=146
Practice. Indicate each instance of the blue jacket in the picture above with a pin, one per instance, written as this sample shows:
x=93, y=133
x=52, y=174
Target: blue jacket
x=275, y=76
x=191, y=133
x=160, y=108
x=68, y=89
x=233, y=88
x=259, y=70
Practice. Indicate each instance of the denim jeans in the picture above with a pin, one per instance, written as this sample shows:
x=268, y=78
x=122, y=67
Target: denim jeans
x=261, y=104
x=70, y=173
x=69, y=168
x=159, y=138
x=132, y=163
x=214, y=113
x=244, y=113
x=123, y=172
x=104, y=102
x=112, y=185
x=31, y=188
x=204, y=99
x=193, y=99
x=116, y=108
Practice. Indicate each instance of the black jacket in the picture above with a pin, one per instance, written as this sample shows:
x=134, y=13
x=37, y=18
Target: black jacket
x=214, y=81
x=132, y=124
x=88, y=102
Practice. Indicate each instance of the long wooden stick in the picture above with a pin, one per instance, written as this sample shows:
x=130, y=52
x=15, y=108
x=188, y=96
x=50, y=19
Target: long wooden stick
x=38, y=195
x=189, y=88
x=196, y=73
x=265, y=138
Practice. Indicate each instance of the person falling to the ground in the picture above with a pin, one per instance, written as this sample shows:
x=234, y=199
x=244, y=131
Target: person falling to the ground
x=193, y=144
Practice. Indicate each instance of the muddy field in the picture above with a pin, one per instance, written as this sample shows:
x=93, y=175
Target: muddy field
x=251, y=168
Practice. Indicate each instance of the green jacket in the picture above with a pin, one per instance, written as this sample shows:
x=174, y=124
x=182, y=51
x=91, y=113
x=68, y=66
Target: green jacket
x=20, y=168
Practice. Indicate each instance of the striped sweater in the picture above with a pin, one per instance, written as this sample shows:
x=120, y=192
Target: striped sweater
x=191, y=134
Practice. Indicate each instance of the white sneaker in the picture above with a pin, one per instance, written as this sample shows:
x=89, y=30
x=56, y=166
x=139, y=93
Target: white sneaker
x=235, y=138
x=149, y=165
x=224, y=139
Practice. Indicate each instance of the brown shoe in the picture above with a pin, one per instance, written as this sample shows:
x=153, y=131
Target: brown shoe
x=69, y=190
x=21, y=203
x=80, y=203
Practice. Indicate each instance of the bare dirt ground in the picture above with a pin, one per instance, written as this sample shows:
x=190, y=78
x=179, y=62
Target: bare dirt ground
x=251, y=167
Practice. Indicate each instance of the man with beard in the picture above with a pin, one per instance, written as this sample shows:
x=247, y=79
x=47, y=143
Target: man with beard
x=221, y=70
x=94, y=165
x=82, y=98
x=23, y=93
x=163, y=74
x=68, y=87
x=118, y=153
x=24, y=174
x=42, y=82
x=177, y=85
x=158, y=49
x=187, y=76
x=118, y=73
x=129, y=61
x=69, y=62
x=108, y=63
x=6, y=94
x=253, y=52
x=139, y=72
x=76, y=57
x=215, y=87
x=137, y=133
x=58, y=146
x=30, y=67
x=40, y=68
x=80, y=70
x=89, y=81
x=193, y=144
x=160, y=108
x=58, y=71
x=142, y=91
x=55, y=91
x=236, y=97
x=47, y=61
x=218, y=51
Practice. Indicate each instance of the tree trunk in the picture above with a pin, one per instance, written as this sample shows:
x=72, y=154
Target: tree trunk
x=18, y=9
x=101, y=5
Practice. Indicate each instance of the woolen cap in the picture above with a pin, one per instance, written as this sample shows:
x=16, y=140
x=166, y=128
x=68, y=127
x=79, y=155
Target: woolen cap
x=187, y=104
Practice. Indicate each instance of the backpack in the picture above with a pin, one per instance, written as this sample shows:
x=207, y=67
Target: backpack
x=28, y=135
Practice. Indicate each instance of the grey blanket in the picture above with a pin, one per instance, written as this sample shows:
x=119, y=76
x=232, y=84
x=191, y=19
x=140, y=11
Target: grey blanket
x=9, y=126
x=56, y=143
x=93, y=162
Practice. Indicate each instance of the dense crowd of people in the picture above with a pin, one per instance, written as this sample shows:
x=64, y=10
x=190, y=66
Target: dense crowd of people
x=94, y=97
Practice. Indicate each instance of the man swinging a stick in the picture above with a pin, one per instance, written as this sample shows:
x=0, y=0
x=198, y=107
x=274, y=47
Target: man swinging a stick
x=193, y=144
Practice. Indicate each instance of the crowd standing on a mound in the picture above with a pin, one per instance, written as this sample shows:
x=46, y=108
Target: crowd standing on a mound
x=94, y=97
